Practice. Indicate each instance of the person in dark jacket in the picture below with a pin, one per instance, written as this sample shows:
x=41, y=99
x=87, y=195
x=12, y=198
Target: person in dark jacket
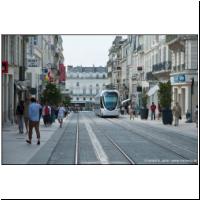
x=20, y=116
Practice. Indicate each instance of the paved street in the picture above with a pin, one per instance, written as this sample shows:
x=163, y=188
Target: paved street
x=88, y=139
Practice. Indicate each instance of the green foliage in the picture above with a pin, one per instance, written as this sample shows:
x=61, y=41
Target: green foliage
x=165, y=94
x=144, y=98
x=67, y=100
x=51, y=95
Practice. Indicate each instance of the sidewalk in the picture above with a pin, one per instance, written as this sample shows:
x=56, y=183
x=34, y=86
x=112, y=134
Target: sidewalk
x=188, y=129
x=15, y=150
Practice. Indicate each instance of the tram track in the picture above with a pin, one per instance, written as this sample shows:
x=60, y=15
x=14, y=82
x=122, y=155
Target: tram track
x=56, y=150
x=156, y=131
x=153, y=140
x=114, y=143
x=76, y=159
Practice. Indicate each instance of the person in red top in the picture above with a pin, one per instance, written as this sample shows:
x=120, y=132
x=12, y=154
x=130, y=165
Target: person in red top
x=153, y=110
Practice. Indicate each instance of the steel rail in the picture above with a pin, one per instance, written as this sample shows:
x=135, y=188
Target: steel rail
x=76, y=158
x=130, y=160
x=148, y=139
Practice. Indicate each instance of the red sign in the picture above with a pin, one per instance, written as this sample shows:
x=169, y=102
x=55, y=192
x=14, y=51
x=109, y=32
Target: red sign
x=62, y=77
x=4, y=66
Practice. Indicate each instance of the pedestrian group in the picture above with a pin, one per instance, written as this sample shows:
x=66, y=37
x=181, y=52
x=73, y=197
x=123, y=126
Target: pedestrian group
x=29, y=112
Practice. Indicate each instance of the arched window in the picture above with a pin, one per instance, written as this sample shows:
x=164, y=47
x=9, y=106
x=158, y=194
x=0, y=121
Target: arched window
x=97, y=88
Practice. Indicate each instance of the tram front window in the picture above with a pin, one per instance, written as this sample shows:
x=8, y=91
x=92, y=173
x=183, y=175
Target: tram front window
x=110, y=100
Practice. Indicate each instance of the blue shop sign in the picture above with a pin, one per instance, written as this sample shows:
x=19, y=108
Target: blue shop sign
x=179, y=78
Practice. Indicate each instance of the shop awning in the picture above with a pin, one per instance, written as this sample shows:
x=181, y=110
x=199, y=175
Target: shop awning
x=153, y=90
x=20, y=87
x=125, y=101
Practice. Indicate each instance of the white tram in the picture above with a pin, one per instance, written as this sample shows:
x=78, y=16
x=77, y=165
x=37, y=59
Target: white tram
x=107, y=103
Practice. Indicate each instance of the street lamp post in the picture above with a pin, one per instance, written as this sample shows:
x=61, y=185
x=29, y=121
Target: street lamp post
x=192, y=85
x=191, y=93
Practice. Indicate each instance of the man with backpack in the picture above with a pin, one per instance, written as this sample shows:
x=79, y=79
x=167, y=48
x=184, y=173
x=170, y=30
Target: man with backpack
x=46, y=113
x=153, y=110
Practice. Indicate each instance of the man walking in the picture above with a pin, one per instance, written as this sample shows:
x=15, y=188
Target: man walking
x=130, y=111
x=153, y=110
x=46, y=112
x=26, y=117
x=34, y=113
x=20, y=116
x=177, y=113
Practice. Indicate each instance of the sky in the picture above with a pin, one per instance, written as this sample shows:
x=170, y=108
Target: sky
x=86, y=50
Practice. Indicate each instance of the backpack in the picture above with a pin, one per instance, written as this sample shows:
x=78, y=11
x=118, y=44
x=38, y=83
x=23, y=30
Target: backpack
x=46, y=110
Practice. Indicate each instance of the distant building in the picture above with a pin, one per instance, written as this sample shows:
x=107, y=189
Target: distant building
x=84, y=83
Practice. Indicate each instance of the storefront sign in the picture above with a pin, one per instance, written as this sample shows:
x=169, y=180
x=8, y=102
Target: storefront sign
x=179, y=78
x=32, y=62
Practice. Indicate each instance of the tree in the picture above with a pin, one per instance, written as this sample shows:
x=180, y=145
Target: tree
x=67, y=100
x=144, y=98
x=165, y=94
x=165, y=99
x=144, y=110
x=51, y=95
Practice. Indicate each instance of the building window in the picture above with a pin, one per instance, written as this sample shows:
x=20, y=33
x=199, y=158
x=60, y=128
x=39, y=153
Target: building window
x=97, y=90
x=77, y=84
x=104, y=76
x=90, y=89
x=77, y=98
x=35, y=40
x=84, y=91
x=90, y=98
x=84, y=98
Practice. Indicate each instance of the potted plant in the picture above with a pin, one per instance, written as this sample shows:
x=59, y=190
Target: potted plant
x=165, y=99
x=144, y=112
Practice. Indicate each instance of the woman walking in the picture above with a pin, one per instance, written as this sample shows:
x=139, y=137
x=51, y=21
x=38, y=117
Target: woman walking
x=61, y=114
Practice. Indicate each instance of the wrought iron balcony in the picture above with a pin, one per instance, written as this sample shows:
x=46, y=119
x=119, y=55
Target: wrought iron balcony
x=150, y=76
x=170, y=37
x=162, y=66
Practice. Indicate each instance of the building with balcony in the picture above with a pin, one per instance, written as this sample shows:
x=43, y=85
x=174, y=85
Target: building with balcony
x=184, y=71
x=114, y=64
x=151, y=59
x=84, y=83
x=157, y=64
